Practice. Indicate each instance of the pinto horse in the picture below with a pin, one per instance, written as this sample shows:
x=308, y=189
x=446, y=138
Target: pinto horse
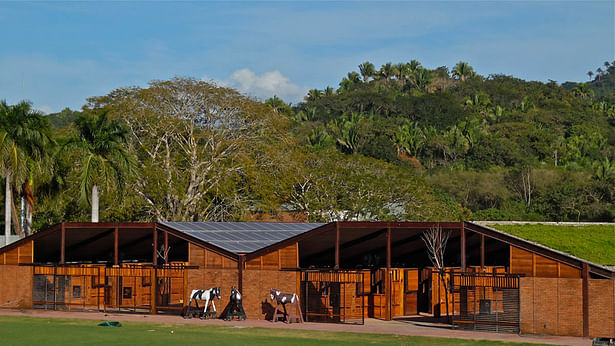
x=283, y=299
x=207, y=296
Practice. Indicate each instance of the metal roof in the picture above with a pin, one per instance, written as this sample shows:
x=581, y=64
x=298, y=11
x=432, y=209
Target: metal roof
x=242, y=237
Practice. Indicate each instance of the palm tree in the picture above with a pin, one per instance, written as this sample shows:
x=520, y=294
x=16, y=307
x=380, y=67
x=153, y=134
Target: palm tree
x=599, y=73
x=422, y=77
x=590, y=74
x=105, y=161
x=414, y=65
x=403, y=71
x=463, y=70
x=24, y=139
x=387, y=71
x=606, y=65
x=313, y=95
x=367, y=70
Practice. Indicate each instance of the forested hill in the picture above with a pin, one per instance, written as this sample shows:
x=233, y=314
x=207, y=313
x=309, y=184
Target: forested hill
x=401, y=142
x=502, y=147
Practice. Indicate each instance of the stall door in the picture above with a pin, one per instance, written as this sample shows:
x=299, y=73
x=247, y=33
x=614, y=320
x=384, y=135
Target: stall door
x=411, y=288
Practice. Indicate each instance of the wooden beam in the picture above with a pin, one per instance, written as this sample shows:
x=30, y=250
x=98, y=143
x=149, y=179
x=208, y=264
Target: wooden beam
x=585, y=276
x=388, y=248
x=240, y=265
x=155, y=247
x=62, y=244
x=389, y=288
x=337, y=245
x=463, y=249
x=166, y=247
x=116, y=250
x=482, y=251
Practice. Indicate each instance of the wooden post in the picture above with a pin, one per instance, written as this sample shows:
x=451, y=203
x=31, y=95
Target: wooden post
x=482, y=252
x=154, y=247
x=153, y=291
x=463, y=249
x=166, y=247
x=585, y=276
x=388, y=247
x=63, y=244
x=116, y=237
x=337, y=245
x=240, y=264
x=388, y=283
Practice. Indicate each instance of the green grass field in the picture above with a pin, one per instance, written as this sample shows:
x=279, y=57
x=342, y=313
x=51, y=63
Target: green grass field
x=46, y=332
x=593, y=243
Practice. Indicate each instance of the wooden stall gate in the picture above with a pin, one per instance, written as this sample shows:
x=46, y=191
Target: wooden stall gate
x=67, y=288
x=486, y=302
x=333, y=296
x=127, y=288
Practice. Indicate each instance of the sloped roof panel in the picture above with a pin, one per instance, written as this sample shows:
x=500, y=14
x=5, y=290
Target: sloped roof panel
x=242, y=237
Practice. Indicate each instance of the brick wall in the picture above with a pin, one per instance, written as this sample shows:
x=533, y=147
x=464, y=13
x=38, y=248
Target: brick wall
x=256, y=286
x=555, y=306
x=16, y=289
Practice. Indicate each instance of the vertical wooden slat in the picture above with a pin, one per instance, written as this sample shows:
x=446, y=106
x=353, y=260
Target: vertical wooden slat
x=62, y=244
x=585, y=275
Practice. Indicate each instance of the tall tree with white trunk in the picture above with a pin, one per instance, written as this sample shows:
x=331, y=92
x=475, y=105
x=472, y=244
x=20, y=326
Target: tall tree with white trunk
x=197, y=144
x=105, y=163
x=25, y=138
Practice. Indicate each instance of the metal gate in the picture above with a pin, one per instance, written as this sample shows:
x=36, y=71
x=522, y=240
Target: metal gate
x=333, y=296
x=128, y=288
x=486, y=302
x=67, y=288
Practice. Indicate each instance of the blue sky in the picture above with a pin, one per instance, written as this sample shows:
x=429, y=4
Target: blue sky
x=57, y=54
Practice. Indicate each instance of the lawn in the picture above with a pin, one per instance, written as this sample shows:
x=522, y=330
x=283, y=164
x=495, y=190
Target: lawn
x=594, y=243
x=45, y=331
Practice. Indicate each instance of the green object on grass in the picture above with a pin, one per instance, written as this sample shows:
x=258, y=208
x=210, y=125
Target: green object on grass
x=110, y=324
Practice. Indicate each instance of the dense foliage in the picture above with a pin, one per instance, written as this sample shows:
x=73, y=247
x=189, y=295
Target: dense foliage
x=502, y=147
x=402, y=142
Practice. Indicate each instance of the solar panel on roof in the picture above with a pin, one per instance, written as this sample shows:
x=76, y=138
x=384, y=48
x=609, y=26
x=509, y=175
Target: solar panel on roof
x=242, y=237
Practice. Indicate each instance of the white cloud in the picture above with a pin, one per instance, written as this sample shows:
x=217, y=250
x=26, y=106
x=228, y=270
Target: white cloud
x=45, y=109
x=266, y=85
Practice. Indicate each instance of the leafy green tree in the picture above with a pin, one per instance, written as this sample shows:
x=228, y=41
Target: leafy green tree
x=318, y=139
x=25, y=138
x=462, y=70
x=410, y=139
x=349, y=136
x=204, y=151
x=105, y=163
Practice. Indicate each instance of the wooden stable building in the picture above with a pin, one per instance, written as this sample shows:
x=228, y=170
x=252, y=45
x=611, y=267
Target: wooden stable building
x=342, y=272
